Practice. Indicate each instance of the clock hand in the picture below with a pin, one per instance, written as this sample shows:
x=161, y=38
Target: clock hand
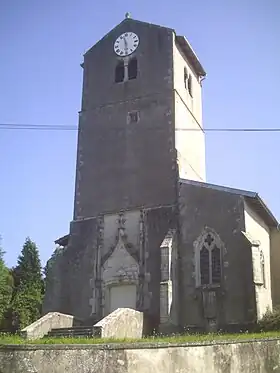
x=125, y=44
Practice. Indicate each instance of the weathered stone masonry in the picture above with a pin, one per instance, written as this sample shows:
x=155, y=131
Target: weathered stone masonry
x=148, y=232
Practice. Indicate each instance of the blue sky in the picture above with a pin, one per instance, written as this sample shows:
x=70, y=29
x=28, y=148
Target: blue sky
x=42, y=44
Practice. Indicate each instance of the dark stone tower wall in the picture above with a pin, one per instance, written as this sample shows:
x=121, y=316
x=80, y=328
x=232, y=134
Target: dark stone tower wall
x=122, y=164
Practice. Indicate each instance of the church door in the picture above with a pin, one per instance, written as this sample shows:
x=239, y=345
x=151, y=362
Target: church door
x=123, y=296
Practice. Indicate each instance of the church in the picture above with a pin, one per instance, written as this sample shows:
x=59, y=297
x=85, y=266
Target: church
x=148, y=232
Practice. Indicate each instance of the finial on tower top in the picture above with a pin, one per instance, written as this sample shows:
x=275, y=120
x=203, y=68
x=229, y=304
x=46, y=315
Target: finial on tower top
x=127, y=15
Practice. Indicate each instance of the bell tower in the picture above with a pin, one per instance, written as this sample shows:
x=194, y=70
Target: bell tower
x=188, y=75
x=140, y=122
x=140, y=131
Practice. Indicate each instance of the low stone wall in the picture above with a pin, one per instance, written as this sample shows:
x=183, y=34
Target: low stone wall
x=42, y=326
x=122, y=323
x=245, y=357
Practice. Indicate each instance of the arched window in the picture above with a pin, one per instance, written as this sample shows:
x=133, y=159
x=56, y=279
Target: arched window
x=208, y=257
x=132, y=68
x=204, y=266
x=216, y=265
x=190, y=87
x=186, y=77
x=119, y=72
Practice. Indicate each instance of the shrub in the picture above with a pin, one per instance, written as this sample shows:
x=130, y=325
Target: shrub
x=270, y=321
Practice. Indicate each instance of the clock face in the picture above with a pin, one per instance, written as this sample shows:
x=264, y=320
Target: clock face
x=126, y=44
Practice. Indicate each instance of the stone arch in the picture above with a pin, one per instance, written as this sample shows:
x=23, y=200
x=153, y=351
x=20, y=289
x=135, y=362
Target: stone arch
x=120, y=275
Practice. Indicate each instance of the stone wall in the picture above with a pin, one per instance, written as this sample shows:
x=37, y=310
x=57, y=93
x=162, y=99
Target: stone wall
x=122, y=323
x=120, y=163
x=246, y=357
x=157, y=224
x=45, y=324
x=275, y=265
x=111, y=250
x=207, y=209
x=69, y=281
x=259, y=232
x=190, y=143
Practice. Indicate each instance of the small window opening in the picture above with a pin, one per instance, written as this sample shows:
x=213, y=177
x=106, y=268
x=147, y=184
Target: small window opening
x=119, y=72
x=132, y=69
x=190, y=88
x=185, y=77
x=133, y=117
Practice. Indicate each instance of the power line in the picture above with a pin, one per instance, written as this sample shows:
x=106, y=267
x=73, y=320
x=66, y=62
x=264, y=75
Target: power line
x=48, y=127
x=59, y=127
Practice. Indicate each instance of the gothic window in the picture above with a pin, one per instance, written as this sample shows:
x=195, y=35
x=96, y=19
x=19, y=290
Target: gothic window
x=204, y=266
x=190, y=87
x=132, y=69
x=208, y=259
x=185, y=77
x=216, y=265
x=119, y=72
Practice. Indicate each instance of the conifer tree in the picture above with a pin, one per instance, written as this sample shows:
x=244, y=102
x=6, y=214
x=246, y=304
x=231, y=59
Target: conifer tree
x=6, y=287
x=28, y=294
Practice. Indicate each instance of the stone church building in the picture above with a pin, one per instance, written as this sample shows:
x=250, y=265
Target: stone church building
x=148, y=231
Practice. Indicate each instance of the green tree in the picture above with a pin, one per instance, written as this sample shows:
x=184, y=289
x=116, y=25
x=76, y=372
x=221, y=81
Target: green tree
x=6, y=287
x=28, y=294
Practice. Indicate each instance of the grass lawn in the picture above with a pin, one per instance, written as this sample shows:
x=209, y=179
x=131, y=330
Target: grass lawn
x=188, y=338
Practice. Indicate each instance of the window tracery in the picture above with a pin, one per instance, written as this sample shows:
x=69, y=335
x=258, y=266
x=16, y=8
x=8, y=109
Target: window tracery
x=208, y=253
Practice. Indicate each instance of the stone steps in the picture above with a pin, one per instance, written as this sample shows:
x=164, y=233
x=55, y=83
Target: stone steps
x=75, y=332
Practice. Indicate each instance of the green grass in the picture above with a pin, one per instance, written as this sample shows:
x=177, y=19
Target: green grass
x=6, y=339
